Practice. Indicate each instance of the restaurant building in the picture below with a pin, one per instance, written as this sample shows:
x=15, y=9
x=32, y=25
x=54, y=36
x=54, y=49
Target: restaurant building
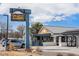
x=57, y=36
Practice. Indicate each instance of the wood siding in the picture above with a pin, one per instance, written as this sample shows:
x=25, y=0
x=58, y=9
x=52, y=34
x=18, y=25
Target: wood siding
x=43, y=31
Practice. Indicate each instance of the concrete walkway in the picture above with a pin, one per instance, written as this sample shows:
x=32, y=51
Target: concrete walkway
x=60, y=49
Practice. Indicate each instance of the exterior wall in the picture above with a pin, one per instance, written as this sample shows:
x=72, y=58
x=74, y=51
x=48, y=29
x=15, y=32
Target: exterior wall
x=43, y=31
x=64, y=44
x=56, y=30
x=49, y=44
x=54, y=43
x=77, y=41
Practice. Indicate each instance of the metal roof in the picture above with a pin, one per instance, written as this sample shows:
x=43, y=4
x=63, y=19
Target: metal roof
x=60, y=29
x=73, y=32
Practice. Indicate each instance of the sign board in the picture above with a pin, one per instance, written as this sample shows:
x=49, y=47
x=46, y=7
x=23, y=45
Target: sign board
x=17, y=17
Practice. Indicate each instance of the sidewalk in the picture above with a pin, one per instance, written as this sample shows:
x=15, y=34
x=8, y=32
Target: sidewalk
x=60, y=49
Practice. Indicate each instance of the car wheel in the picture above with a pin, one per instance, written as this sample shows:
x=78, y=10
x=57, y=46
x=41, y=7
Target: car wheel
x=22, y=46
x=3, y=45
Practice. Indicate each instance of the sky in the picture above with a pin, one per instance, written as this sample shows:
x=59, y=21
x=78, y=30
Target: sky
x=51, y=14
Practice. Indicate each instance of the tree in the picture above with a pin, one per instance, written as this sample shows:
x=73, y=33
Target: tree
x=36, y=27
x=21, y=28
x=17, y=35
x=34, y=30
x=3, y=29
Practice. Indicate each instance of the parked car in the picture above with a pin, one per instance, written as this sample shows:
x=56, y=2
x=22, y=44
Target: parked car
x=3, y=42
x=15, y=42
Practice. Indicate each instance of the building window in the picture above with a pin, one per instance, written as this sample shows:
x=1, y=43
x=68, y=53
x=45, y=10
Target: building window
x=47, y=39
x=63, y=39
x=51, y=39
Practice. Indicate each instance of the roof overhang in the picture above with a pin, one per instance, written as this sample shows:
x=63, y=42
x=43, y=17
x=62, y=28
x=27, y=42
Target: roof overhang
x=73, y=32
x=47, y=34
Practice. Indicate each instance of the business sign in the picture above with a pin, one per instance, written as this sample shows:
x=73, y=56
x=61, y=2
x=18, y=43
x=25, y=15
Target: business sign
x=17, y=17
x=22, y=15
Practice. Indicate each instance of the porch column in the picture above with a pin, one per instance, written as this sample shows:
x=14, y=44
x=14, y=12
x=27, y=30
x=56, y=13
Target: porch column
x=60, y=41
x=77, y=41
x=40, y=41
x=54, y=40
x=66, y=37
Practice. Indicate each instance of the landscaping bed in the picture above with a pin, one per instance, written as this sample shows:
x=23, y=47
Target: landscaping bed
x=25, y=53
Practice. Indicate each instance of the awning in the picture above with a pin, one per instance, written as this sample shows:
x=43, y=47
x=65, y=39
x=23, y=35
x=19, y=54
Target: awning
x=48, y=34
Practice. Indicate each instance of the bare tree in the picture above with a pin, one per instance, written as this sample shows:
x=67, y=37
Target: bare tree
x=21, y=28
x=3, y=29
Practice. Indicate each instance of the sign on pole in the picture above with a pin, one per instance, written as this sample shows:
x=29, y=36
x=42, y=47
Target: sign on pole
x=22, y=15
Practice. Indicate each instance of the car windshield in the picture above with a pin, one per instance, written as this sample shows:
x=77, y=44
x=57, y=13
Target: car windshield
x=15, y=41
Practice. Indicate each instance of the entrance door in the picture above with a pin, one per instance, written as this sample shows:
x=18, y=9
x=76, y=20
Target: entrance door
x=71, y=41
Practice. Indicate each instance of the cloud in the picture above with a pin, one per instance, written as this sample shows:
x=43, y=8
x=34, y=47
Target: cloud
x=45, y=12
x=41, y=18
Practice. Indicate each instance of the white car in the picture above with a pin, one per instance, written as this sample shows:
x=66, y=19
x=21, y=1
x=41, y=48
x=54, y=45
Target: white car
x=15, y=42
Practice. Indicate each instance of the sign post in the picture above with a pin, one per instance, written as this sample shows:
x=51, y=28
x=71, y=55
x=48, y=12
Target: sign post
x=27, y=32
x=23, y=15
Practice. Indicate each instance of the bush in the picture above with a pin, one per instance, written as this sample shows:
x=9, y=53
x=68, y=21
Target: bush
x=11, y=47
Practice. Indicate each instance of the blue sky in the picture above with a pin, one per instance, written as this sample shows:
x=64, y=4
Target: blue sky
x=66, y=15
x=71, y=21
